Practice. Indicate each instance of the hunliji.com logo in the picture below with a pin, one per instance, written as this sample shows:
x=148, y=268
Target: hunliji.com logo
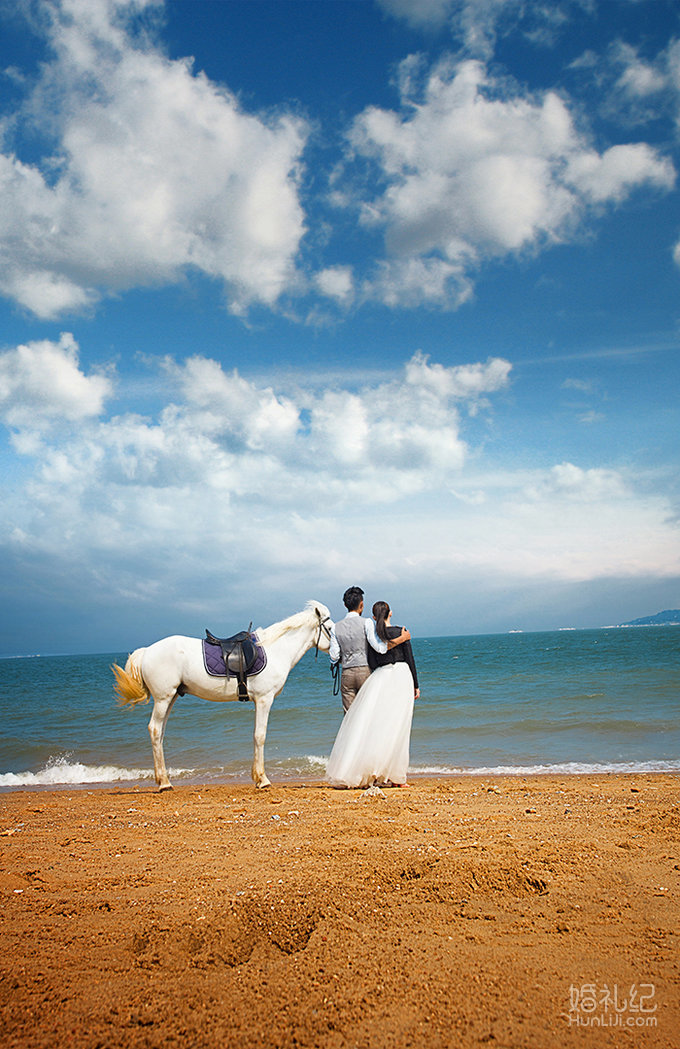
x=599, y=1005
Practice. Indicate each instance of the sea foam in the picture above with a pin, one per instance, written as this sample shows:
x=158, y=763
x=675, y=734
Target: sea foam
x=567, y=768
x=62, y=771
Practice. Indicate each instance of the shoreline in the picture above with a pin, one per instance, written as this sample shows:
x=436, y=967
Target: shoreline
x=146, y=784
x=461, y=911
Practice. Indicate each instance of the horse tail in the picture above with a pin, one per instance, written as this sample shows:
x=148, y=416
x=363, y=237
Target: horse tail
x=130, y=687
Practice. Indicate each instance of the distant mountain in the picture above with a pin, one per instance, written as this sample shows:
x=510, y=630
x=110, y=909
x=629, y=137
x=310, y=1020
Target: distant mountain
x=669, y=618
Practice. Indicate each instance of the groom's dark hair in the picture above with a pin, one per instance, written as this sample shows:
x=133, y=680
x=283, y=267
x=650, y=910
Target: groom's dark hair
x=352, y=598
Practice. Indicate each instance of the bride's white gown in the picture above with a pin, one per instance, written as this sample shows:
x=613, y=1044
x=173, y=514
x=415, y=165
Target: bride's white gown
x=373, y=742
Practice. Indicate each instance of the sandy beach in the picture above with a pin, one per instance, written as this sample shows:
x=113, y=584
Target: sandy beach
x=513, y=912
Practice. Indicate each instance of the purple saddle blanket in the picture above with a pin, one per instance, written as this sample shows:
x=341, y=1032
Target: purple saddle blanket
x=214, y=661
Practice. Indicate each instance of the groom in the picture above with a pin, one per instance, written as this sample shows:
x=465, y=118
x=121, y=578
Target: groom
x=349, y=645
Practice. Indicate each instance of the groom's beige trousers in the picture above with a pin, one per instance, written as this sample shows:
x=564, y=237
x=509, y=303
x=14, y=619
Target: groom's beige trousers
x=350, y=682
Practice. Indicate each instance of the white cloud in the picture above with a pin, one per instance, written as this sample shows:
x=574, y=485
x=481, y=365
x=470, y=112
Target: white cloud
x=477, y=22
x=418, y=281
x=636, y=89
x=638, y=78
x=565, y=523
x=575, y=483
x=612, y=175
x=41, y=384
x=465, y=382
x=155, y=172
x=226, y=461
x=336, y=282
x=473, y=171
x=158, y=171
x=228, y=403
x=641, y=90
x=376, y=482
x=167, y=514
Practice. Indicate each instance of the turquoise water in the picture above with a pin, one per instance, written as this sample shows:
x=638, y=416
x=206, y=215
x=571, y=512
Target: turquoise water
x=566, y=701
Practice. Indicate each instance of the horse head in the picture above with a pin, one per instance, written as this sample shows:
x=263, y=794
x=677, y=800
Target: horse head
x=321, y=618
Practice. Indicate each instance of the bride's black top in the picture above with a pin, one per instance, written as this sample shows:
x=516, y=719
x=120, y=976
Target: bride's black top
x=398, y=654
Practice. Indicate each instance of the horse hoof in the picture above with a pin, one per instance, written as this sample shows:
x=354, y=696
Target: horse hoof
x=165, y=786
x=263, y=784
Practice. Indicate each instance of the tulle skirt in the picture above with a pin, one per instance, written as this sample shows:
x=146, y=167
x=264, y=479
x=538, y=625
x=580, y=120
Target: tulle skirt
x=372, y=745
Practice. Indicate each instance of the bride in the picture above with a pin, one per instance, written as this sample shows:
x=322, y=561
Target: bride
x=372, y=745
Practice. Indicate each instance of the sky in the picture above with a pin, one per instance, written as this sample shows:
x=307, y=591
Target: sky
x=302, y=295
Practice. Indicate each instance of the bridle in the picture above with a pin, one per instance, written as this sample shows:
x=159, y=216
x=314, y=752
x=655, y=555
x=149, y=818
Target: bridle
x=335, y=667
x=324, y=628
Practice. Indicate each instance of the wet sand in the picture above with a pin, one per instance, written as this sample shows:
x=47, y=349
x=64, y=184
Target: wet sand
x=533, y=912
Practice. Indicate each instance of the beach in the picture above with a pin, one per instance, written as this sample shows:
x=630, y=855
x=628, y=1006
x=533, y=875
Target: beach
x=511, y=911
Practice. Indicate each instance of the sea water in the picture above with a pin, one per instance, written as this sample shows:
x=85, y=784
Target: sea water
x=563, y=702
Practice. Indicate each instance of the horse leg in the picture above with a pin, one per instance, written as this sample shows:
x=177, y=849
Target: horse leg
x=159, y=718
x=262, y=707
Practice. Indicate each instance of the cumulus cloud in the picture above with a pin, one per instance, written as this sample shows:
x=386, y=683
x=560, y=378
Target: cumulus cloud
x=165, y=514
x=156, y=171
x=640, y=89
x=612, y=175
x=151, y=171
x=336, y=282
x=418, y=281
x=474, y=170
x=466, y=382
x=380, y=481
x=225, y=457
x=41, y=384
x=384, y=440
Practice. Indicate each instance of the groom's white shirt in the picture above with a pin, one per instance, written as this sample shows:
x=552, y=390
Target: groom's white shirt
x=371, y=636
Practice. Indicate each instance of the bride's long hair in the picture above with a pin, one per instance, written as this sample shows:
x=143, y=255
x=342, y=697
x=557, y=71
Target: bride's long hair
x=381, y=610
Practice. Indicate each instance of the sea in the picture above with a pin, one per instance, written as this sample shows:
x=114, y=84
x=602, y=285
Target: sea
x=567, y=702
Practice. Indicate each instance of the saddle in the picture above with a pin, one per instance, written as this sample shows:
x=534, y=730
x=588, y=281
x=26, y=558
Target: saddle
x=241, y=655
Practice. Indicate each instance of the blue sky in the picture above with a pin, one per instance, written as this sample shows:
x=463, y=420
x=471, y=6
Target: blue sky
x=297, y=295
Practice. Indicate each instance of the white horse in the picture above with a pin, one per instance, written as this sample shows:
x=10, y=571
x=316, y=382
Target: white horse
x=173, y=666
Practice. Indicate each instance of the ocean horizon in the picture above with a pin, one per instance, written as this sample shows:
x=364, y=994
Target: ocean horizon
x=567, y=701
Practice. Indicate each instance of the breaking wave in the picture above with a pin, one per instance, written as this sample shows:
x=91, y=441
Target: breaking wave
x=63, y=772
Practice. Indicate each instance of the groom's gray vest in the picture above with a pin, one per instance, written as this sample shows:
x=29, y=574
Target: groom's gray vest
x=351, y=635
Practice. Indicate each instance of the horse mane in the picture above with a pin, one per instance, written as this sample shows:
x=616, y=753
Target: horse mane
x=269, y=634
